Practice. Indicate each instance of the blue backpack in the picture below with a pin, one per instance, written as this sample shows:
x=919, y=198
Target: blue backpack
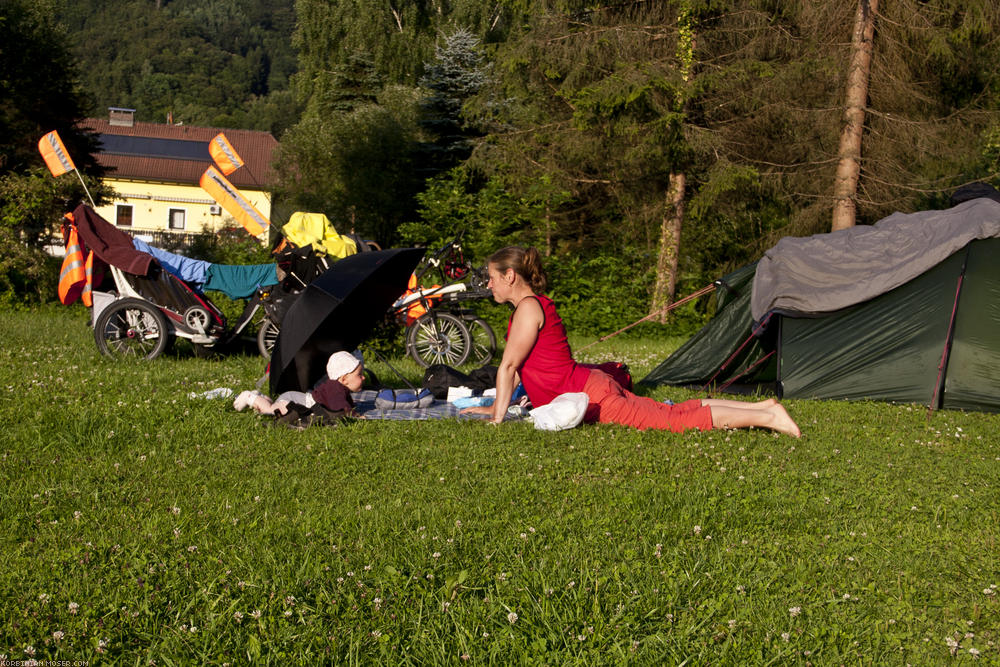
x=403, y=399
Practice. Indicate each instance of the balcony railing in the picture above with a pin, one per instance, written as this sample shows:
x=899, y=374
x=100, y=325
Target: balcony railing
x=175, y=242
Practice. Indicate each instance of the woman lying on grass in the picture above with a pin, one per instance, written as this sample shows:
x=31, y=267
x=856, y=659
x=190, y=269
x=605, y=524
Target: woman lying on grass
x=537, y=350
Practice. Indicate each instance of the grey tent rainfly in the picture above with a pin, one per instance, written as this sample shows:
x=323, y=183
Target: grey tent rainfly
x=906, y=310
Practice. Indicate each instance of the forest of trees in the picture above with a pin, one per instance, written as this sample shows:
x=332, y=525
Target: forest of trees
x=645, y=147
x=200, y=62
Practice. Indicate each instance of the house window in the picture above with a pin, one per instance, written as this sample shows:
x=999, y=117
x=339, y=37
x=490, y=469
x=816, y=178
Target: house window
x=123, y=215
x=176, y=218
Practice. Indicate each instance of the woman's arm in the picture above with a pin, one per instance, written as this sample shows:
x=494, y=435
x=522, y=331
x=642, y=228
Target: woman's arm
x=527, y=320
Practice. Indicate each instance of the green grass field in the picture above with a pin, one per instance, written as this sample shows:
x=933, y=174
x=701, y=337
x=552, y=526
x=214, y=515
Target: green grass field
x=143, y=527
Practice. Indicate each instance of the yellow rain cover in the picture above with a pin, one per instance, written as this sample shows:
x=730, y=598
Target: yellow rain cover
x=315, y=229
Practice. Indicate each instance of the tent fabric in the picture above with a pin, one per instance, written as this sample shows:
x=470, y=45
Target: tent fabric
x=933, y=340
x=887, y=348
x=316, y=230
x=827, y=272
x=702, y=359
x=973, y=378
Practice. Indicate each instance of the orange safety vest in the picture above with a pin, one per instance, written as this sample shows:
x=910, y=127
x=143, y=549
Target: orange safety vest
x=72, y=275
x=91, y=268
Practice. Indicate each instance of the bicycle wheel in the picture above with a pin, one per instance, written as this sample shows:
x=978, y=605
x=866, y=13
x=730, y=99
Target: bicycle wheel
x=438, y=338
x=267, y=336
x=131, y=328
x=484, y=342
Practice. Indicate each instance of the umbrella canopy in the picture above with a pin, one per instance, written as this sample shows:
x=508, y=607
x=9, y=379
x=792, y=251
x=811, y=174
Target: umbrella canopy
x=337, y=311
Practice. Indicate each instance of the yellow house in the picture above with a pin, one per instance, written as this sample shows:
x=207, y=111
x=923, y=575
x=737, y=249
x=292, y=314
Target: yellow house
x=155, y=168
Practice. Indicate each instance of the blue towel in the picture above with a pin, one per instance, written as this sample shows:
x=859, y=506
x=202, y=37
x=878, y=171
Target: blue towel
x=185, y=268
x=241, y=280
x=472, y=402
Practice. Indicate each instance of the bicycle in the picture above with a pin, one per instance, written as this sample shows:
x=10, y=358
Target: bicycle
x=439, y=329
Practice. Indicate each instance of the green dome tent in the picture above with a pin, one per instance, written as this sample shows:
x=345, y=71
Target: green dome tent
x=906, y=310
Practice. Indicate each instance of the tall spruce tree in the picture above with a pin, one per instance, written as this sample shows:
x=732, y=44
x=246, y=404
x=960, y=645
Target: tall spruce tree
x=457, y=73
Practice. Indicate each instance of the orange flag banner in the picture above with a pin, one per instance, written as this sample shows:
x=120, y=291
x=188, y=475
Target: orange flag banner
x=233, y=201
x=72, y=276
x=54, y=153
x=224, y=154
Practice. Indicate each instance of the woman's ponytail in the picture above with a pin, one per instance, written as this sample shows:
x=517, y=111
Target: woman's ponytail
x=526, y=263
x=533, y=273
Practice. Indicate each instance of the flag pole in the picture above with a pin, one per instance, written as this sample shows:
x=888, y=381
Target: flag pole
x=92, y=204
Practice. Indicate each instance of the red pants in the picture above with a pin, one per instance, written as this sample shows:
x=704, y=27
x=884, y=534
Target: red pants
x=611, y=404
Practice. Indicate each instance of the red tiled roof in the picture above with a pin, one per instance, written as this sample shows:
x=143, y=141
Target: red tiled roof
x=255, y=147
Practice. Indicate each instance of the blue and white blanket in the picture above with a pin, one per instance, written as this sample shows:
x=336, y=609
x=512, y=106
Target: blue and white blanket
x=364, y=403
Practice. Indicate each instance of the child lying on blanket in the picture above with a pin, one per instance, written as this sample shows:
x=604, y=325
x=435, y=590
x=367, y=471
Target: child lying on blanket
x=345, y=375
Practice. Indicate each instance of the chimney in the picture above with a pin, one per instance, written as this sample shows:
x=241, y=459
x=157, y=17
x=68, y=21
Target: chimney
x=121, y=117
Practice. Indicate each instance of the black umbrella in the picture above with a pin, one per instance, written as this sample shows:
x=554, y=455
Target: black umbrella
x=337, y=311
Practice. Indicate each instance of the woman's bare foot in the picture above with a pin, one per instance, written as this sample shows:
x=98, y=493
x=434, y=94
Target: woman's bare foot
x=783, y=422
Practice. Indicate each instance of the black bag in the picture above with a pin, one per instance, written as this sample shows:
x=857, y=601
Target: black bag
x=439, y=377
x=483, y=378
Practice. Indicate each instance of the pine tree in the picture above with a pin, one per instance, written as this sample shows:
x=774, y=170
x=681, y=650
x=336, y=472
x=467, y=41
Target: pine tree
x=458, y=72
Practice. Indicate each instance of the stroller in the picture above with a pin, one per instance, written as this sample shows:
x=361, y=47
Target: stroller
x=440, y=329
x=139, y=306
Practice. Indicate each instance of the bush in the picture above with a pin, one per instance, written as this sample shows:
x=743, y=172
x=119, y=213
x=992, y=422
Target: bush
x=601, y=294
x=27, y=275
x=229, y=245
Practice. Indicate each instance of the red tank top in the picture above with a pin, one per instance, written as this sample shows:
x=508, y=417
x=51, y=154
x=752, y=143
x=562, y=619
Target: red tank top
x=549, y=369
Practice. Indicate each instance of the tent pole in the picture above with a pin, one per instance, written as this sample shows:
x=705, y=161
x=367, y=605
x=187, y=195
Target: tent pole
x=753, y=334
x=747, y=370
x=937, y=398
x=778, y=388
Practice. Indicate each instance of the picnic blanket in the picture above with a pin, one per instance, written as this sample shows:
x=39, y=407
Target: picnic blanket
x=364, y=403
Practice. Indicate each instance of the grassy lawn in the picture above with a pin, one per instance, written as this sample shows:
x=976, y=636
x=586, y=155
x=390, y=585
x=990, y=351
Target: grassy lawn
x=141, y=526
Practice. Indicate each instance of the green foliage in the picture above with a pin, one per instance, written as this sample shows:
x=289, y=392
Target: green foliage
x=485, y=211
x=590, y=108
x=229, y=245
x=398, y=37
x=731, y=220
x=355, y=167
x=145, y=526
x=350, y=84
x=31, y=209
x=457, y=73
x=991, y=151
x=27, y=275
x=38, y=91
x=598, y=295
x=195, y=61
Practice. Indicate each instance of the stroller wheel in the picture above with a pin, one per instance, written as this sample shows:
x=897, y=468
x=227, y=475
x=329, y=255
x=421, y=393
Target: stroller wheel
x=131, y=328
x=267, y=336
x=197, y=319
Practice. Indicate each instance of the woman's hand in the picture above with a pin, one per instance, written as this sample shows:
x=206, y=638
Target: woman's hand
x=482, y=410
x=477, y=410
